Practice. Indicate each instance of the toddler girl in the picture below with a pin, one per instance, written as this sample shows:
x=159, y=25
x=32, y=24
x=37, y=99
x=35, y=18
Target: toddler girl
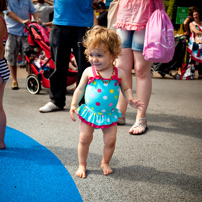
x=101, y=83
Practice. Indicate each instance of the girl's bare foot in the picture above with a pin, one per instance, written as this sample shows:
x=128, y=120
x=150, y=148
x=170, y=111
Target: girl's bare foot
x=2, y=146
x=106, y=169
x=81, y=172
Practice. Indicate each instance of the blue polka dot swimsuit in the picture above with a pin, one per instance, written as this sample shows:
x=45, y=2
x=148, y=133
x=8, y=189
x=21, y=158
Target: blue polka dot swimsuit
x=99, y=110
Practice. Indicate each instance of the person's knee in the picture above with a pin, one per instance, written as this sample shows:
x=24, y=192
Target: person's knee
x=110, y=142
x=85, y=139
x=142, y=72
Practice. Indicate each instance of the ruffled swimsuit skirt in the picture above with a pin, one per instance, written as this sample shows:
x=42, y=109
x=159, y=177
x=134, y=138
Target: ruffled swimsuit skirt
x=99, y=110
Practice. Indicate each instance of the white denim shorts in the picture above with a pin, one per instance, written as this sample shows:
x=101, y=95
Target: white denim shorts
x=132, y=39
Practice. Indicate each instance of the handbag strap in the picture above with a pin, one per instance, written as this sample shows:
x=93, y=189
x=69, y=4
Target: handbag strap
x=157, y=7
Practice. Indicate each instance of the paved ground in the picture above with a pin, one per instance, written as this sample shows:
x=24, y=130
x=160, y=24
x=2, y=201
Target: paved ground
x=165, y=164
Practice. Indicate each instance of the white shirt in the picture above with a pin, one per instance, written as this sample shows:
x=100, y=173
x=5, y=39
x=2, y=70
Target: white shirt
x=43, y=12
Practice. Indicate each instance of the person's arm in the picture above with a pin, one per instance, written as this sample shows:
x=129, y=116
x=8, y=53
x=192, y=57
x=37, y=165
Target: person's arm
x=193, y=29
x=127, y=92
x=12, y=15
x=2, y=28
x=36, y=17
x=95, y=20
x=79, y=92
x=48, y=2
x=48, y=24
x=186, y=25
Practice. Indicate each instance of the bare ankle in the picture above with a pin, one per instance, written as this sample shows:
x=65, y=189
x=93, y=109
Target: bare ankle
x=81, y=172
x=2, y=146
x=106, y=168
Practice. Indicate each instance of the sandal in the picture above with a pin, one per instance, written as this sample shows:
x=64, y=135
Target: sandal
x=141, y=125
x=121, y=120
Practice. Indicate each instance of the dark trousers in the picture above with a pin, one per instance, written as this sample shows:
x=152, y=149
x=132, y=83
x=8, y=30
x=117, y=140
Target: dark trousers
x=62, y=40
x=200, y=69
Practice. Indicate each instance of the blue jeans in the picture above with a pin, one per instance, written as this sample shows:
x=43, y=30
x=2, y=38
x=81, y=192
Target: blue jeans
x=62, y=40
x=132, y=39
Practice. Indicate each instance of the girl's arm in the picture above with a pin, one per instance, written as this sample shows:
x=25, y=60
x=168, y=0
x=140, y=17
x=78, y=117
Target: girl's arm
x=193, y=29
x=79, y=92
x=127, y=92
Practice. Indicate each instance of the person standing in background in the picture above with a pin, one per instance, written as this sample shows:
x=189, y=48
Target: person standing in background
x=4, y=72
x=44, y=11
x=16, y=16
x=131, y=21
x=70, y=22
x=102, y=17
x=188, y=20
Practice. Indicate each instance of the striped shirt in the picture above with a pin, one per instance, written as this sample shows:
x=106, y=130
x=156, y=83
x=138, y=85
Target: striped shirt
x=4, y=70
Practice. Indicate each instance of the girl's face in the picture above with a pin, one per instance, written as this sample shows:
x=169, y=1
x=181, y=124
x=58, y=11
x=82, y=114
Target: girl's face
x=100, y=59
x=196, y=15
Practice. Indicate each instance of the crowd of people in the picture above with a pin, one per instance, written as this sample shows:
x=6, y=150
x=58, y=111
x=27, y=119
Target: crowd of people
x=104, y=59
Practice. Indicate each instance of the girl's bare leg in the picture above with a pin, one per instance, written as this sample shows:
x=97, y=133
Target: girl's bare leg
x=86, y=137
x=109, y=146
x=2, y=117
x=143, y=85
x=125, y=62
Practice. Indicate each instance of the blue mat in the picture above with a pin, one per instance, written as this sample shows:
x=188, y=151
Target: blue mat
x=30, y=172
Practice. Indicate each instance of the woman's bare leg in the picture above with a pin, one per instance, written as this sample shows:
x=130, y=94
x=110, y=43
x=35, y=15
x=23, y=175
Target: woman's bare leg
x=125, y=62
x=2, y=117
x=86, y=137
x=109, y=146
x=143, y=85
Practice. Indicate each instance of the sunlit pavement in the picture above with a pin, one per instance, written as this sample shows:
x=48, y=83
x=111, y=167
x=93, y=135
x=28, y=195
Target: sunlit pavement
x=162, y=165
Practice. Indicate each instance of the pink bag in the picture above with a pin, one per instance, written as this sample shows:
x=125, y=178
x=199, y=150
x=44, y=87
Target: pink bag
x=159, y=43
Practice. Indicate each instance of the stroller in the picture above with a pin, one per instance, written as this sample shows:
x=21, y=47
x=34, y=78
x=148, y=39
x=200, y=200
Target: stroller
x=39, y=59
x=166, y=68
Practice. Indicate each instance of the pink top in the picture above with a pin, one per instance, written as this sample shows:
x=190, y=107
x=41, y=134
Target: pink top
x=134, y=14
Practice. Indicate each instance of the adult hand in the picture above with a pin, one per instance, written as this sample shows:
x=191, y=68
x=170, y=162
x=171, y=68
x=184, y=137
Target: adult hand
x=39, y=21
x=26, y=21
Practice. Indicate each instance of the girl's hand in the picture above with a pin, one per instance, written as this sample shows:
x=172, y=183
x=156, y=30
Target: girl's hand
x=136, y=104
x=72, y=111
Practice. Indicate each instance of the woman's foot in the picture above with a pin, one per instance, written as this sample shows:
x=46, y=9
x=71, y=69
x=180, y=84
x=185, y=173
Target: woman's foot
x=139, y=127
x=81, y=172
x=2, y=146
x=122, y=120
x=106, y=169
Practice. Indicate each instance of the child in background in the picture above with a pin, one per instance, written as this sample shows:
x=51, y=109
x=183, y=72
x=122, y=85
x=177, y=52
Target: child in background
x=72, y=63
x=101, y=83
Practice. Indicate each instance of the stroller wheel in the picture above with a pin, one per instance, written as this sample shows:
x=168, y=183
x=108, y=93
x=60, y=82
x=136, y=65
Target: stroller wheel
x=33, y=84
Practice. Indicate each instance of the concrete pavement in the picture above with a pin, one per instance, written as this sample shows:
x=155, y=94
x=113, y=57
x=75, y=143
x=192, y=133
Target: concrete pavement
x=165, y=164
